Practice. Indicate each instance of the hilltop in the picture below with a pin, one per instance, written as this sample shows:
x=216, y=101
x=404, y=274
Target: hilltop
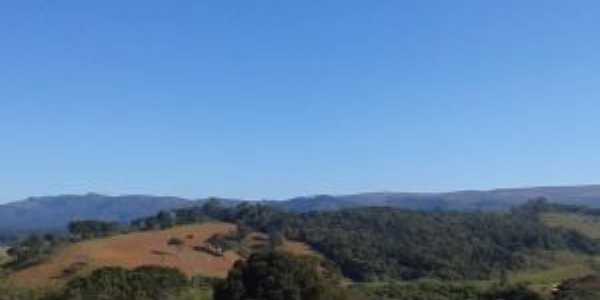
x=470, y=200
x=53, y=213
x=145, y=248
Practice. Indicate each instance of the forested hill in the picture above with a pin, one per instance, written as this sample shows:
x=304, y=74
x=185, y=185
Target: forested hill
x=52, y=213
x=492, y=200
x=372, y=244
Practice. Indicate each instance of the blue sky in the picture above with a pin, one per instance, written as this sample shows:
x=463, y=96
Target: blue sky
x=273, y=99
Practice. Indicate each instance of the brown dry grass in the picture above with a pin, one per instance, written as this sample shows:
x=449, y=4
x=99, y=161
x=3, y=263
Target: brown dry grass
x=133, y=250
x=585, y=224
x=257, y=241
x=298, y=248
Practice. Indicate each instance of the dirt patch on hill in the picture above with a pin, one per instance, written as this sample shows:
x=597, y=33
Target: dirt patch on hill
x=134, y=250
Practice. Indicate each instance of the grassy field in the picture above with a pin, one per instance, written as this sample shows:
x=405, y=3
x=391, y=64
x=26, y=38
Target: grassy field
x=588, y=225
x=298, y=248
x=3, y=256
x=196, y=294
x=559, y=266
x=563, y=266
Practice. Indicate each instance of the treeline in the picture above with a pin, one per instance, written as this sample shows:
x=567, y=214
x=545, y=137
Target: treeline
x=116, y=283
x=88, y=229
x=279, y=276
x=32, y=250
x=35, y=248
x=371, y=244
x=265, y=276
x=542, y=205
x=257, y=216
x=380, y=244
x=434, y=290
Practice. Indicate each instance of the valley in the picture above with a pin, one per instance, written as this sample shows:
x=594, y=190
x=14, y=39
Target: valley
x=367, y=251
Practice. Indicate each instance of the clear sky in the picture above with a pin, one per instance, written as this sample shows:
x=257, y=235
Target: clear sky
x=272, y=99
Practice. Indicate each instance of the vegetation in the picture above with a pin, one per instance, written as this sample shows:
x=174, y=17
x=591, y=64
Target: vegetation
x=584, y=288
x=177, y=242
x=435, y=290
x=88, y=229
x=371, y=244
x=542, y=205
x=585, y=224
x=380, y=244
x=232, y=240
x=4, y=258
x=115, y=283
x=278, y=276
x=516, y=255
x=8, y=292
x=32, y=250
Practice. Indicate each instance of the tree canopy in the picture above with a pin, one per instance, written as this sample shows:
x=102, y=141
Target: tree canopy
x=115, y=283
x=277, y=276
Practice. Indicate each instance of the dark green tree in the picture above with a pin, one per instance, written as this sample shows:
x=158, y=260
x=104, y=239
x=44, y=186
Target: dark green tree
x=87, y=229
x=115, y=283
x=277, y=276
x=166, y=219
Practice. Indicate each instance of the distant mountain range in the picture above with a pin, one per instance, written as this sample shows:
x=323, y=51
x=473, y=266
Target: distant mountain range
x=492, y=200
x=54, y=213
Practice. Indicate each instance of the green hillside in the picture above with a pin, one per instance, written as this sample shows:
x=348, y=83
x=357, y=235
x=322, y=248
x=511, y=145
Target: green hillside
x=382, y=253
x=583, y=223
x=3, y=255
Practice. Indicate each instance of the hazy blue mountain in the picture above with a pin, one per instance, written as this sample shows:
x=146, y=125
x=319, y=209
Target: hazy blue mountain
x=499, y=199
x=54, y=213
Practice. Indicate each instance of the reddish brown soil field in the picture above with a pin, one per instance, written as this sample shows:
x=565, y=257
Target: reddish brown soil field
x=133, y=250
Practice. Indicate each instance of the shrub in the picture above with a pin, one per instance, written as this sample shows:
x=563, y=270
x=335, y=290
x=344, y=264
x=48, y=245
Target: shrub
x=175, y=242
x=115, y=283
x=277, y=276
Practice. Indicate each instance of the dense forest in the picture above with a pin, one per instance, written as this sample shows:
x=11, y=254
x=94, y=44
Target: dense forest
x=266, y=276
x=542, y=205
x=380, y=244
x=371, y=244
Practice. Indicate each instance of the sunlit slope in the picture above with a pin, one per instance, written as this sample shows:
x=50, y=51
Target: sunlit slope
x=585, y=224
x=146, y=248
x=133, y=250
